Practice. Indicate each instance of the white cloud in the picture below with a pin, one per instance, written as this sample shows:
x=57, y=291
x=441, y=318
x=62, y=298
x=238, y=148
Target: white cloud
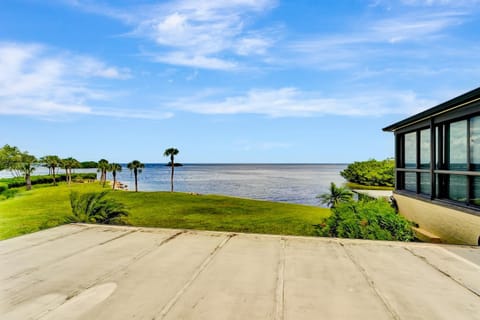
x=196, y=33
x=42, y=82
x=291, y=102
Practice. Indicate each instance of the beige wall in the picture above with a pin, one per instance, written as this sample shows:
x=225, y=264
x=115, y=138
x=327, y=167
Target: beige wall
x=450, y=225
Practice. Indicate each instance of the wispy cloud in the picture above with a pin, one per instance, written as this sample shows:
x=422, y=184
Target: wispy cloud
x=291, y=102
x=409, y=36
x=207, y=34
x=43, y=82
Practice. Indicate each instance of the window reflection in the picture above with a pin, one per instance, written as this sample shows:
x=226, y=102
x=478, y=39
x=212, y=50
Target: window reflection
x=411, y=181
x=425, y=149
x=411, y=150
x=457, y=188
x=475, y=143
x=457, y=146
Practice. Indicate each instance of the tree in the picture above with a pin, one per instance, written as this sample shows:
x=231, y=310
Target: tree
x=94, y=208
x=335, y=196
x=68, y=164
x=114, y=168
x=52, y=163
x=136, y=167
x=171, y=152
x=102, y=168
x=19, y=163
x=26, y=166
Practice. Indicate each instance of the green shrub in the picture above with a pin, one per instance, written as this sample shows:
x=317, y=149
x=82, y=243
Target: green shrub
x=371, y=172
x=93, y=207
x=3, y=187
x=18, y=182
x=373, y=219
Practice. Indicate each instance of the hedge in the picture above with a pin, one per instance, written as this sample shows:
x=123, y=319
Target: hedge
x=20, y=182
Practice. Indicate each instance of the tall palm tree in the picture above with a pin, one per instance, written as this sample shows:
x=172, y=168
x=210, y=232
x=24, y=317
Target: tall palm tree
x=136, y=166
x=52, y=163
x=171, y=152
x=102, y=167
x=114, y=168
x=68, y=164
x=335, y=196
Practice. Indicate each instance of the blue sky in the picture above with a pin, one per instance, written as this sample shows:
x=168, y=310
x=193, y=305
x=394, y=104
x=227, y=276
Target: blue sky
x=228, y=80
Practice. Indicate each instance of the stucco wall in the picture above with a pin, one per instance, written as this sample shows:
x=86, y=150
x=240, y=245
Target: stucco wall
x=450, y=225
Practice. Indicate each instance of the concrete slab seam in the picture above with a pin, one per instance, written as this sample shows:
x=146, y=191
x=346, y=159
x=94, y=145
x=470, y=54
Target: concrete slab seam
x=195, y=275
x=30, y=270
x=446, y=274
x=370, y=282
x=125, y=266
x=456, y=256
x=82, y=229
x=280, y=291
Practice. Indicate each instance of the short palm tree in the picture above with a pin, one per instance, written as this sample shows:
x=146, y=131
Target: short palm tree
x=52, y=163
x=102, y=167
x=94, y=208
x=114, y=168
x=136, y=167
x=68, y=164
x=335, y=196
x=171, y=152
x=26, y=167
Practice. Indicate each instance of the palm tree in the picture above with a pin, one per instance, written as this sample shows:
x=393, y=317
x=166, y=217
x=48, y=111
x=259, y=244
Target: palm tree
x=171, y=152
x=19, y=163
x=136, y=166
x=52, y=163
x=68, y=164
x=114, y=168
x=94, y=208
x=102, y=167
x=335, y=196
x=26, y=166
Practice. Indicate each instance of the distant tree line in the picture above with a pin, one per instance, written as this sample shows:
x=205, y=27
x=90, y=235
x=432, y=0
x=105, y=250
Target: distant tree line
x=21, y=163
x=371, y=172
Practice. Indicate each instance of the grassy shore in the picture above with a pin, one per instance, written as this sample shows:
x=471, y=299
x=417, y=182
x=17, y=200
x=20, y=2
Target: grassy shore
x=47, y=206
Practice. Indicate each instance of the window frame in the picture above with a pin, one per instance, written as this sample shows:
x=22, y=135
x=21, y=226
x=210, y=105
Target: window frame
x=438, y=170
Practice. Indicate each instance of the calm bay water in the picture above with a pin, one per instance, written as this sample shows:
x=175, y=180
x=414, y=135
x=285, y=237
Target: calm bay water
x=293, y=183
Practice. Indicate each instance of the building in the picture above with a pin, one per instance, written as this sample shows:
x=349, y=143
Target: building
x=437, y=156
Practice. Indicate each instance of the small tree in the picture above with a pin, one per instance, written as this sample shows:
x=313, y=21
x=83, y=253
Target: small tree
x=19, y=163
x=114, y=168
x=52, y=163
x=68, y=164
x=95, y=208
x=171, y=152
x=136, y=167
x=102, y=167
x=335, y=196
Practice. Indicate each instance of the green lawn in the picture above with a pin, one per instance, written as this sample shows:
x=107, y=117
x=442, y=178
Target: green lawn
x=46, y=207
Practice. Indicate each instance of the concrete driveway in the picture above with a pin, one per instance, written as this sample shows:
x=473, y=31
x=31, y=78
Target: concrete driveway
x=102, y=272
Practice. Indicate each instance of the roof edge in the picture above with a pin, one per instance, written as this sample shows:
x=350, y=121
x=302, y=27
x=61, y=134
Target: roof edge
x=442, y=107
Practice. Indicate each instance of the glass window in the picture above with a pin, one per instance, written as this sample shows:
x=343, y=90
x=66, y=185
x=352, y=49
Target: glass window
x=425, y=149
x=411, y=181
x=457, y=146
x=475, y=143
x=476, y=191
x=410, y=150
x=425, y=184
x=457, y=187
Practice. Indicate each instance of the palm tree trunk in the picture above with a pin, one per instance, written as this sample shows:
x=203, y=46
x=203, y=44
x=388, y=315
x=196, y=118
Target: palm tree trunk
x=114, y=174
x=53, y=173
x=28, y=181
x=136, y=182
x=171, y=177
